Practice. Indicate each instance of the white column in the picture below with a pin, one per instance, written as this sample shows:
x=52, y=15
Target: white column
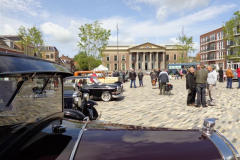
x=130, y=60
x=143, y=61
x=137, y=61
x=150, y=61
x=164, y=60
x=156, y=61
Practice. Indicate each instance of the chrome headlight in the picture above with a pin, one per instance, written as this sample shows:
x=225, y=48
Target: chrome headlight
x=76, y=99
x=75, y=94
x=86, y=96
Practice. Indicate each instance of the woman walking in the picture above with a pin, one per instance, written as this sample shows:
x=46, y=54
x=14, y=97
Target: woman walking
x=154, y=78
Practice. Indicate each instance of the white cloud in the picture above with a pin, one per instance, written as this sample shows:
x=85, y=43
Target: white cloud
x=57, y=32
x=164, y=8
x=20, y=6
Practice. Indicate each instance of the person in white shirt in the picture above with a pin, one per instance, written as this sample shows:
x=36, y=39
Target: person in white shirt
x=212, y=80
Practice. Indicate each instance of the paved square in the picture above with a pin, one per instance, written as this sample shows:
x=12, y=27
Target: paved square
x=144, y=106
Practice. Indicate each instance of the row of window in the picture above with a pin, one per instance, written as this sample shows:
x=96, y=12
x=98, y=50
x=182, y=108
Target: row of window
x=212, y=37
x=211, y=47
x=116, y=58
x=212, y=56
x=48, y=56
x=139, y=58
x=116, y=66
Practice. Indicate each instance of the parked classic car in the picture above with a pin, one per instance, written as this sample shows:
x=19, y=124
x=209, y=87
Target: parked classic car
x=78, y=99
x=34, y=127
x=97, y=89
x=102, y=76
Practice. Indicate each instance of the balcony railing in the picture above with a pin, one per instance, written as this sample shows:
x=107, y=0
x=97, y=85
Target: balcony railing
x=212, y=39
x=211, y=49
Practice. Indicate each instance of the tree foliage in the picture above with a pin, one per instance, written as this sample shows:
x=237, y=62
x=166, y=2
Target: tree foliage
x=185, y=45
x=93, y=39
x=231, y=31
x=31, y=36
x=85, y=62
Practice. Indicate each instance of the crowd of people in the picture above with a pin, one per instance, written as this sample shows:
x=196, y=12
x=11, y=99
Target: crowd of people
x=200, y=82
x=157, y=76
x=203, y=82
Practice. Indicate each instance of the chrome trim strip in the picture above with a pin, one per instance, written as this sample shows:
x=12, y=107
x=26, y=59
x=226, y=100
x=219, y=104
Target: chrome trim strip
x=236, y=154
x=223, y=148
x=77, y=141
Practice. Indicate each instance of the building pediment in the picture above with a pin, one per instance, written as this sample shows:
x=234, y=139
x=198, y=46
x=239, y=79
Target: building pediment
x=147, y=45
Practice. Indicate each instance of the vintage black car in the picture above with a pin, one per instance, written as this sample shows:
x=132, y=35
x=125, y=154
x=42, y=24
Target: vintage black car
x=97, y=89
x=34, y=128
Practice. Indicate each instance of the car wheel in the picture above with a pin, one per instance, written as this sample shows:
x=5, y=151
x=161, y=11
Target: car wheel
x=106, y=96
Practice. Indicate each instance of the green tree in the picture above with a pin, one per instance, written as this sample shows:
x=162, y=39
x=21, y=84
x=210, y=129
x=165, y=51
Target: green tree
x=93, y=39
x=185, y=45
x=231, y=31
x=86, y=62
x=31, y=36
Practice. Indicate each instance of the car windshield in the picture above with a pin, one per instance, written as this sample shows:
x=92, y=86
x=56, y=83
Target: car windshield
x=35, y=99
x=93, y=80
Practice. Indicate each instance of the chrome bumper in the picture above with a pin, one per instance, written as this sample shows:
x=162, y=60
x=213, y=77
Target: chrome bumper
x=117, y=95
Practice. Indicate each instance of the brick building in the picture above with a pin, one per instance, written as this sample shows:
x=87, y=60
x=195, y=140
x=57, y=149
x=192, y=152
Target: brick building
x=145, y=56
x=11, y=43
x=67, y=62
x=213, y=48
x=50, y=53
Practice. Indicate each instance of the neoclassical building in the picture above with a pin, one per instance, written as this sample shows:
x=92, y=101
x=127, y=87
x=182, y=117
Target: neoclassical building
x=145, y=56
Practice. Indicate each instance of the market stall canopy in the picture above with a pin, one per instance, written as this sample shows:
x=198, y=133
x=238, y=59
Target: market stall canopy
x=101, y=68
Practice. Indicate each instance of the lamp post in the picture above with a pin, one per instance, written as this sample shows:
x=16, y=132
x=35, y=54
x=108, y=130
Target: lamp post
x=117, y=48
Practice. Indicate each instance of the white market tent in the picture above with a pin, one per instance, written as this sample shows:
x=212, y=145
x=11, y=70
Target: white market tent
x=100, y=68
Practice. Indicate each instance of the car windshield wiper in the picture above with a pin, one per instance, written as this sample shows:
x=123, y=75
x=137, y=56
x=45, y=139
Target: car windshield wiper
x=44, y=86
x=19, y=85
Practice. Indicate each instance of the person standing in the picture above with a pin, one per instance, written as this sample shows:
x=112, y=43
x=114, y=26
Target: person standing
x=151, y=75
x=177, y=74
x=229, y=75
x=220, y=71
x=123, y=76
x=181, y=73
x=158, y=73
x=238, y=72
x=201, y=80
x=154, y=79
x=140, y=77
x=163, y=79
x=132, y=76
x=191, y=87
x=184, y=72
x=212, y=81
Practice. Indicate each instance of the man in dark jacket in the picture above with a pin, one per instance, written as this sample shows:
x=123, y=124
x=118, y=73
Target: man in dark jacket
x=158, y=73
x=184, y=72
x=201, y=80
x=123, y=76
x=191, y=87
x=132, y=76
x=163, y=79
x=220, y=71
x=140, y=77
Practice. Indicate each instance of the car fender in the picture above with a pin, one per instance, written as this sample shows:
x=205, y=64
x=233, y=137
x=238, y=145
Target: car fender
x=73, y=114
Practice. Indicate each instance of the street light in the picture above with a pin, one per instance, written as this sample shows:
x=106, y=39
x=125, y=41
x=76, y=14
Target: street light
x=117, y=48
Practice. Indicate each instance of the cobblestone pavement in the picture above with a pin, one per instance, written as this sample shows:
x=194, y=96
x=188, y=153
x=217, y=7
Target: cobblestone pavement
x=145, y=107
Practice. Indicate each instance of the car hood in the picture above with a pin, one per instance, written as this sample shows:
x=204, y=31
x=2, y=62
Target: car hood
x=145, y=144
x=108, y=84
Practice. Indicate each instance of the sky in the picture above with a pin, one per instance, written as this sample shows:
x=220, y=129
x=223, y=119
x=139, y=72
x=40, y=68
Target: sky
x=139, y=21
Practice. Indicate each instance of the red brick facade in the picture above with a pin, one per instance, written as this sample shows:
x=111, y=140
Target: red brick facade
x=213, y=48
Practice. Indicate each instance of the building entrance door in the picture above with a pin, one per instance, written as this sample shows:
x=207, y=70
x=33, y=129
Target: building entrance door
x=146, y=66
